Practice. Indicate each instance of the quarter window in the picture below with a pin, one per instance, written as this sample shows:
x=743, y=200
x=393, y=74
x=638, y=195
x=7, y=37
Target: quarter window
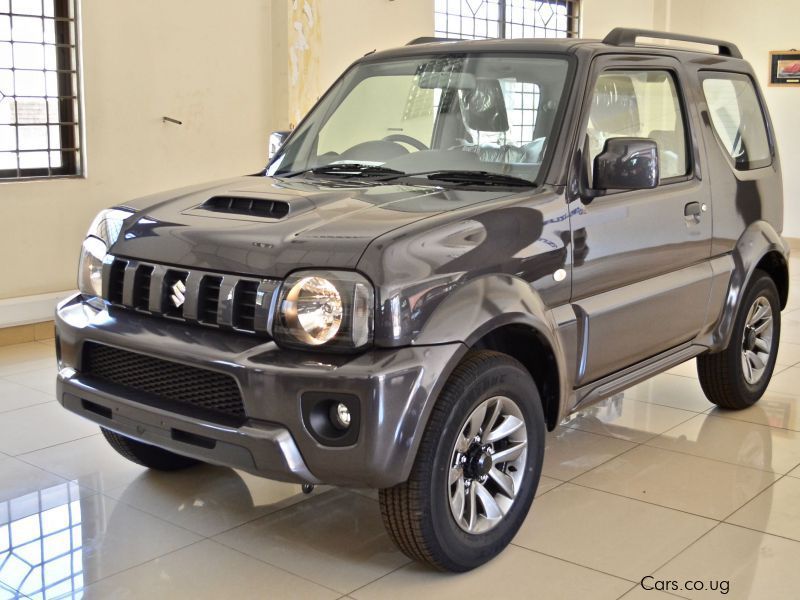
x=738, y=119
x=39, y=107
x=641, y=104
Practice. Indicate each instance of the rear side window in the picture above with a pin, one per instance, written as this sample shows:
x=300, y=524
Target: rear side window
x=738, y=119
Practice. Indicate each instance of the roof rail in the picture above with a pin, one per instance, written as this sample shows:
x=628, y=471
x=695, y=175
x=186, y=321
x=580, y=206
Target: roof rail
x=623, y=36
x=430, y=40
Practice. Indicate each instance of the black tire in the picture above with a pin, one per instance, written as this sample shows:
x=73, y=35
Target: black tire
x=417, y=513
x=722, y=375
x=146, y=455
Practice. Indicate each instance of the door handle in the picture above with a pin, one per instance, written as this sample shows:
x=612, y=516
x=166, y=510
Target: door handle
x=693, y=209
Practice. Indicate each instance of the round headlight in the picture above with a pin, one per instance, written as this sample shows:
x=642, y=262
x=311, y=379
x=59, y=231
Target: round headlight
x=90, y=271
x=314, y=310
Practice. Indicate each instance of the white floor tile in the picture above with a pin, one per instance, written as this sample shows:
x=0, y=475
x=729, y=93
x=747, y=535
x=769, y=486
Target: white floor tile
x=40, y=426
x=14, y=396
x=516, y=573
x=628, y=419
x=671, y=390
x=95, y=537
x=43, y=380
x=570, y=452
x=335, y=539
x=206, y=500
x=546, y=484
x=773, y=410
x=206, y=570
x=755, y=565
x=18, y=478
x=734, y=441
x=608, y=532
x=697, y=485
x=90, y=461
x=775, y=510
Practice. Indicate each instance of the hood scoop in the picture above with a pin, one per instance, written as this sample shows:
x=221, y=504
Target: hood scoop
x=262, y=208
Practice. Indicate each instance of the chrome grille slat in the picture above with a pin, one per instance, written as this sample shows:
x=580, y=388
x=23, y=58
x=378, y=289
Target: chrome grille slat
x=211, y=299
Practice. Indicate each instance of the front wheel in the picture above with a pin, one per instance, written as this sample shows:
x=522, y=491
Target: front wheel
x=146, y=455
x=737, y=377
x=477, y=468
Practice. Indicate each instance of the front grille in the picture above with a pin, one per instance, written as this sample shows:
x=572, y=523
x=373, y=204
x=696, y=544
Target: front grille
x=210, y=299
x=172, y=386
x=251, y=207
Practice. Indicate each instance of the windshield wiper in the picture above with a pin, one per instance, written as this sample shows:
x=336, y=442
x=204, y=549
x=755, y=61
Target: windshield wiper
x=348, y=170
x=479, y=178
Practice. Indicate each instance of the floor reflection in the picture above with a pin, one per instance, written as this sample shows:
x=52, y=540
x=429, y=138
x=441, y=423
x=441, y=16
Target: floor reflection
x=41, y=553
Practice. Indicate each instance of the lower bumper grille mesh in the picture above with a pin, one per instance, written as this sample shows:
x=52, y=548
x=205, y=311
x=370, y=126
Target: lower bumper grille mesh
x=187, y=389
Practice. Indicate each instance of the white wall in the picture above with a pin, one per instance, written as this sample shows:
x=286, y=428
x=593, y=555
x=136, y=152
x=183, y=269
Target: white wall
x=199, y=61
x=757, y=29
x=598, y=17
x=347, y=29
x=351, y=28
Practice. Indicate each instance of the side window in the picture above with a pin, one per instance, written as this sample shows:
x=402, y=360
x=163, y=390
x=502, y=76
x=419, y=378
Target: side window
x=738, y=119
x=641, y=104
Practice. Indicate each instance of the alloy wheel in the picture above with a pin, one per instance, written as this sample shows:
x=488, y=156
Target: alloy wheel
x=757, y=340
x=487, y=465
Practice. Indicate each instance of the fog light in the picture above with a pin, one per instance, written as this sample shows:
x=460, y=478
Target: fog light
x=340, y=415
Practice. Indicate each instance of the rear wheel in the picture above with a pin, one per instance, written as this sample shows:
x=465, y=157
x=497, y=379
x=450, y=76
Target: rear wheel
x=477, y=468
x=737, y=377
x=146, y=455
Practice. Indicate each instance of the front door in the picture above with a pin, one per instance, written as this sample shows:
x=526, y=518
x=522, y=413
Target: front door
x=641, y=277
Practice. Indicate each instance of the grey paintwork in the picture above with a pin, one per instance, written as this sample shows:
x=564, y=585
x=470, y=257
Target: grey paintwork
x=647, y=283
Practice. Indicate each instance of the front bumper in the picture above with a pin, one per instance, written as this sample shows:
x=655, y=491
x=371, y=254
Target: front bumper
x=395, y=391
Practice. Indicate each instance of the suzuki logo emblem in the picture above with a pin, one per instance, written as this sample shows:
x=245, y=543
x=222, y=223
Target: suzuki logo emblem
x=178, y=293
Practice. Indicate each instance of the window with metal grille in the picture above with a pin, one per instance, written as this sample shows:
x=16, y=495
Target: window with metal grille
x=486, y=19
x=39, y=104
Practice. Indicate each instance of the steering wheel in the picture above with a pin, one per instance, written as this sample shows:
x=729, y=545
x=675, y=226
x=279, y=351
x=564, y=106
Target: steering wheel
x=405, y=139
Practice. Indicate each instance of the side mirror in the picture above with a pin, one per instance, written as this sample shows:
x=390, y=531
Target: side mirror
x=627, y=164
x=276, y=139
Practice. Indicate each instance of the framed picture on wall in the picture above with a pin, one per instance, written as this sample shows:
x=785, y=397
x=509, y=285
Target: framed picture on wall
x=784, y=67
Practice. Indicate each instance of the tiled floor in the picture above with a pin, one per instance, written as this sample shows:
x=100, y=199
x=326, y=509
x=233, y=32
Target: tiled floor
x=655, y=482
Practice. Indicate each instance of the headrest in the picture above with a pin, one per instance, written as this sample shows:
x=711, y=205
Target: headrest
x=615, y=109
x=485, y=107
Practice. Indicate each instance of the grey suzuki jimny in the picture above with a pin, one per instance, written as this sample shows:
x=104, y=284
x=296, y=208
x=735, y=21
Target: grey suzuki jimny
x=462, y=244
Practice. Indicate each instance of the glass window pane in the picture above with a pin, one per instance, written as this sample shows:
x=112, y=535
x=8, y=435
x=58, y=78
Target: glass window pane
x=33, y=138
x=5, y=28
x=738, y=119
x=27, y=7
x=641, y=104
x=8, y=137
x=35, y=73
x=6, y=55
x=7, y=111
x=31, y=111
x=27, y=29
x=33, y=160
x=8, y=160
x=29, y=83
x=28, y=56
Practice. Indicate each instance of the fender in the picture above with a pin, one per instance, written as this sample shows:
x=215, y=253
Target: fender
x=758, y=240
x=486, y=304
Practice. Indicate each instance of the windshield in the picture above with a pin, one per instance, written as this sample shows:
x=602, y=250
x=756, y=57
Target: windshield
x=446, y=113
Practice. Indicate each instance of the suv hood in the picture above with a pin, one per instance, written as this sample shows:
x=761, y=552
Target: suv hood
x=329, y=223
